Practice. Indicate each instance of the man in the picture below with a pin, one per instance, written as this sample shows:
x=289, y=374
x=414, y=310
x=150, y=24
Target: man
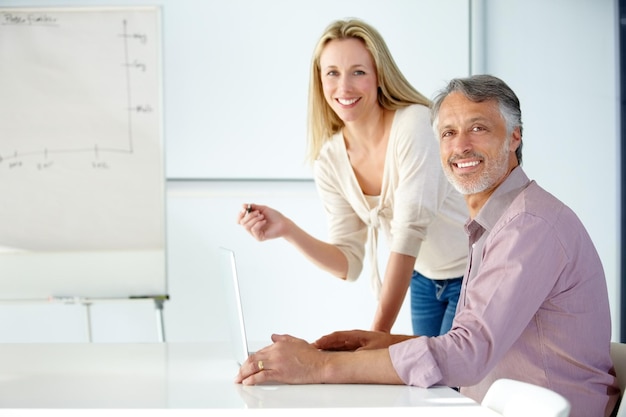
x=533, y=306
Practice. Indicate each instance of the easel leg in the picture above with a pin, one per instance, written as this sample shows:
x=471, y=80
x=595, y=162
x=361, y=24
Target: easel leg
x=158, y=303
x=88, y=312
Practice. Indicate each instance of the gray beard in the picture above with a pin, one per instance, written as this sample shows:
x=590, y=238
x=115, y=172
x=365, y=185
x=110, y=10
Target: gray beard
x=488, y=177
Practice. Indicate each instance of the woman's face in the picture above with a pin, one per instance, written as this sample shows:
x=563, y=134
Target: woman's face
x=349, y=79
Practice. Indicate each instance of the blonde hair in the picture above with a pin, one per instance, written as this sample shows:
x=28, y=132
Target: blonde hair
x=394, y=91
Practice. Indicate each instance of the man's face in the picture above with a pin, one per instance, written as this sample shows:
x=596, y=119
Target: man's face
x=476, y=153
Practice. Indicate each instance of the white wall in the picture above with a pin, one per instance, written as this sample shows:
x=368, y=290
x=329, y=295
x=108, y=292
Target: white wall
x=560, y=56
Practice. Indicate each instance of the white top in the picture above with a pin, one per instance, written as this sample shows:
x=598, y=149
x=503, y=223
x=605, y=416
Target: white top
x=419, y=211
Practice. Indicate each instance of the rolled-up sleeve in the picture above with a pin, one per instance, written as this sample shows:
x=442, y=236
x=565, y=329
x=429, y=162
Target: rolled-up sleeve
x=414, y=363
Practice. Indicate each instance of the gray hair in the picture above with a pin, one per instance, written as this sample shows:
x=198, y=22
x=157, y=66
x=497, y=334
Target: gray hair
x=479, y=88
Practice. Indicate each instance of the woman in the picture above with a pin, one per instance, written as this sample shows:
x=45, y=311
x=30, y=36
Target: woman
x=376, y=166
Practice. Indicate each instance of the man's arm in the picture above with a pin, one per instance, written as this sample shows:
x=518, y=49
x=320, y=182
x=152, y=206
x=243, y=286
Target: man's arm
x=294, y=361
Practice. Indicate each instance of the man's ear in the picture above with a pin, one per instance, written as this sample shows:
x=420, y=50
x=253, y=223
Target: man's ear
x=516, y=139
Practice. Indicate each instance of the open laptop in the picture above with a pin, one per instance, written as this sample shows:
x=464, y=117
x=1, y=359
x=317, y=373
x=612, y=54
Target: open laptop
x=232, y=298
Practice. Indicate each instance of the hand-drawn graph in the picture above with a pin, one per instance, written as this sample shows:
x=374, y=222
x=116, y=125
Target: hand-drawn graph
x=58, y=78
x=81, y=159
x=80, y=95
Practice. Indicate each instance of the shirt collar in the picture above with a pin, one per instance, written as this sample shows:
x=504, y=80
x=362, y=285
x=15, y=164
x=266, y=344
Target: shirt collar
x=501, y=198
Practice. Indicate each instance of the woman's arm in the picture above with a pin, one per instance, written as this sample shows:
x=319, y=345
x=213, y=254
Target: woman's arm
x=395, y=285
x=265, y=223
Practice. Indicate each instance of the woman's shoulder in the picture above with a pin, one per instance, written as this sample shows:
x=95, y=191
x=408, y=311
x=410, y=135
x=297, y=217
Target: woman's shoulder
x=331, y=152
x=412, y=131
x=413, y=121
x=332, y=145
x=413, y=111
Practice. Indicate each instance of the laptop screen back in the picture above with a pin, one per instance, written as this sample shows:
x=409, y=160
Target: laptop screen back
x=232, y=298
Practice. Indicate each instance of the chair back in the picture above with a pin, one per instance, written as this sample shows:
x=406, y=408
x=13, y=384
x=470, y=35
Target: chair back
x=513, y=398
x=618, y=355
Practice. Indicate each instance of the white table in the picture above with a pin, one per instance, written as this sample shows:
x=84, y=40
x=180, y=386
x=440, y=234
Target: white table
x=193, y=377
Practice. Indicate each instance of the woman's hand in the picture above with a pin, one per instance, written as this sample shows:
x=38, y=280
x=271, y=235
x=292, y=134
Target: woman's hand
x=263, y=222
x=358, y=340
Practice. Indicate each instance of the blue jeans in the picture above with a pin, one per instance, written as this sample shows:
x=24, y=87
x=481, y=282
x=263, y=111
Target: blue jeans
x=433, y=304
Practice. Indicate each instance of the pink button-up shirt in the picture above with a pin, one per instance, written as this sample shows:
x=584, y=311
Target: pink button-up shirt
x=533, y=307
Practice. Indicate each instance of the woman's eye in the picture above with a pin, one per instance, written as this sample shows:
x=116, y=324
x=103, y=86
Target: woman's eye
x=359, y=72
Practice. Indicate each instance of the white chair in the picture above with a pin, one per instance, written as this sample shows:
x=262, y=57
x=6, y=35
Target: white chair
x=513, y=398
x=618, y=354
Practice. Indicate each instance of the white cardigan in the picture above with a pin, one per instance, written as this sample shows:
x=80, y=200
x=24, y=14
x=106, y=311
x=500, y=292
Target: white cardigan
x=419, y=211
